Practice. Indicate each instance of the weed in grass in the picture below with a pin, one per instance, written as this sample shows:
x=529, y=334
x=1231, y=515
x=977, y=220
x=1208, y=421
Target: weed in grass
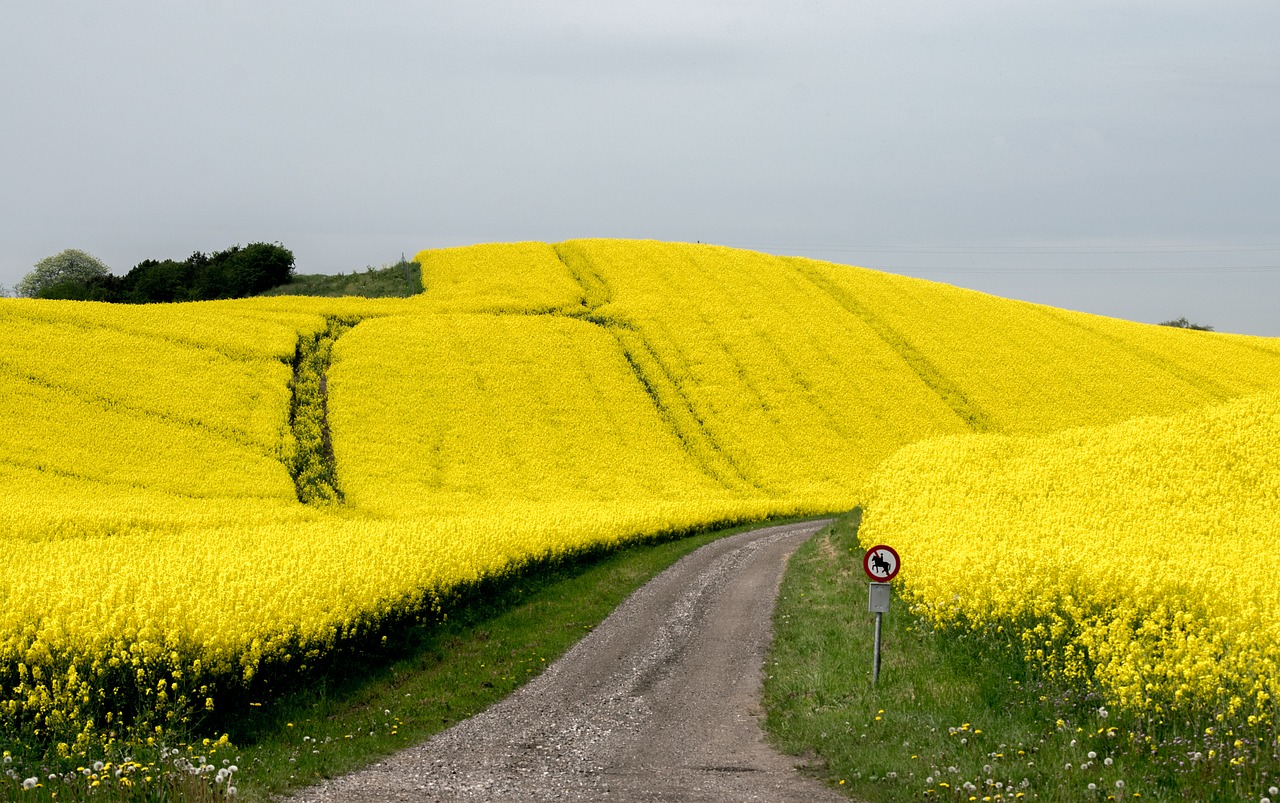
x=490, y=644
x=200, y=773
x=960, y=716
x=398, y=692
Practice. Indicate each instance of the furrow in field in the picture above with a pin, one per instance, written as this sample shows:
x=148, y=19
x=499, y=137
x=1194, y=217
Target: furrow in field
x=311, y=462
x=237, y=438
x=973, y=416
x=1197, y=380
x=675, y=408
x=595, y=290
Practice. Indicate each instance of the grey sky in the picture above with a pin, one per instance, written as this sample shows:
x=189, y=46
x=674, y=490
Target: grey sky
x=1113, y=157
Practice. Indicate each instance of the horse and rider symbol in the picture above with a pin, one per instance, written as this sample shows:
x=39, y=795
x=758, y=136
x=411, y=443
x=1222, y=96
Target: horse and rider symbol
x=881, y=563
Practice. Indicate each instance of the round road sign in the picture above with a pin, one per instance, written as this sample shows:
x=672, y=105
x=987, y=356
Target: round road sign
x=881, y=563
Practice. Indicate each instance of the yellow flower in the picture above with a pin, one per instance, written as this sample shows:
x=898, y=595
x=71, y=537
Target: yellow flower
x=540, y=400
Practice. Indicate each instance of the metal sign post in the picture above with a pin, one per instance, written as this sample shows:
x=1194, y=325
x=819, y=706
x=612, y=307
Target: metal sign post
x=879, y=606
x=881, y=563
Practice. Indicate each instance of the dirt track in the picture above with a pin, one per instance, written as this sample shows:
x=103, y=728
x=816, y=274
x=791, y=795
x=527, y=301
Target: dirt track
x=661, y=702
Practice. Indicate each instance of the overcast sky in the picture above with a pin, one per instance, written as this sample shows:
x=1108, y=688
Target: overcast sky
x=1117, y=157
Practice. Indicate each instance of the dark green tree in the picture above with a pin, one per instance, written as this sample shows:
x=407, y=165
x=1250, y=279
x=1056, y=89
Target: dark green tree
x=236, y=272
x=1183, y=323
x=154, y=281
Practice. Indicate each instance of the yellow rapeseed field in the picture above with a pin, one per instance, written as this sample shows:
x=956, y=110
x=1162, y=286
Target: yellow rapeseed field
x=204, y=501
x=1140, y=557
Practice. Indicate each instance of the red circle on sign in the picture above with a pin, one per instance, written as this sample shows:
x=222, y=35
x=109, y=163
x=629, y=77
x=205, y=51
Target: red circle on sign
x=881, y=563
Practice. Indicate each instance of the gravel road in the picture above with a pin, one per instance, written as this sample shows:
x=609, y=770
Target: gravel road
x=661, y=702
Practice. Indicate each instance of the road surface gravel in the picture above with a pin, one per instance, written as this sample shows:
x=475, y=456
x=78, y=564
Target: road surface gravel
x=661, y=702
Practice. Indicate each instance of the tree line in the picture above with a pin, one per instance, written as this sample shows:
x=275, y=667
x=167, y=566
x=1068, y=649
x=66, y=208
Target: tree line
x=237, y=272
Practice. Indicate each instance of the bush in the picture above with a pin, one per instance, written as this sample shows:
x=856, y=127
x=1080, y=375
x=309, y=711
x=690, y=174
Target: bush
x=1183, y=323
x=65, y=275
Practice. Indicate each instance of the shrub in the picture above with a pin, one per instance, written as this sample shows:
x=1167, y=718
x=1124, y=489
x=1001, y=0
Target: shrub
x=1183, y=323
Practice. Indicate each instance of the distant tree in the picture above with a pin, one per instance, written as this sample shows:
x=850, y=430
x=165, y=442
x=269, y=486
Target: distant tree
x=71, y=290
x=64, y=275
x=247, y=271
x=273, y=265
x=234, y=273
x=1183, y=323
x=152, y=281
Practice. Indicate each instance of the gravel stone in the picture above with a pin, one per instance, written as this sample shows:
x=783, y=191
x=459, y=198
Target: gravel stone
x=661, y=702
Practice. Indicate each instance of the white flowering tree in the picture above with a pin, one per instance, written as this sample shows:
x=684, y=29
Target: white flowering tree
x=68, y=270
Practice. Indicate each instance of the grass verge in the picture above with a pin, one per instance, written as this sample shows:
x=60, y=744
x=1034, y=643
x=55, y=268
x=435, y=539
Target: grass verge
x=955, y=717
x=445, y=673
x=425, y=679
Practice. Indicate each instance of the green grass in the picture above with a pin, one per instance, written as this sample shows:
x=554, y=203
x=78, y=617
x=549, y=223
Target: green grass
x=400, y=280
x=952, y=709
x=444, y=674
x=496, y=637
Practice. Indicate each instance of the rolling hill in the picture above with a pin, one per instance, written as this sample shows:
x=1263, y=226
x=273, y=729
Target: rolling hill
x=534, y=400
